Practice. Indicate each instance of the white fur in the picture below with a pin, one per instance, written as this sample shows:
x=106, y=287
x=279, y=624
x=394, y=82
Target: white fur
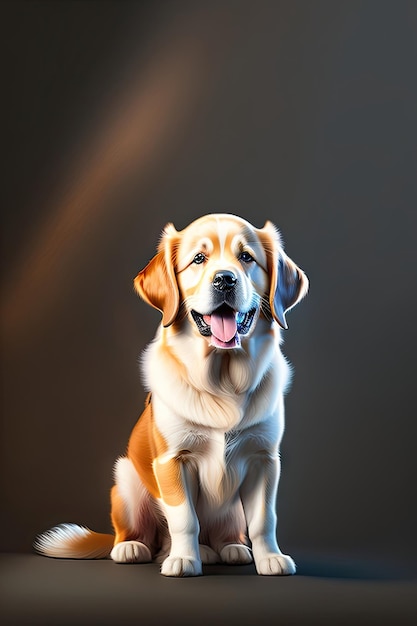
x=221, y=232
x=130, y=488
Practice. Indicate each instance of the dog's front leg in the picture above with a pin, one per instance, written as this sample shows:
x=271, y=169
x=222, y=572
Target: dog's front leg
x=258, y=493
x=177, y=496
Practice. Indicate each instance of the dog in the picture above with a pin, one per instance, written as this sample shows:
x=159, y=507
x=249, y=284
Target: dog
x=202, y=465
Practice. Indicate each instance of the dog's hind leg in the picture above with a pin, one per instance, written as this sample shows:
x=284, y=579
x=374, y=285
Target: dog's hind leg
x=133, y=516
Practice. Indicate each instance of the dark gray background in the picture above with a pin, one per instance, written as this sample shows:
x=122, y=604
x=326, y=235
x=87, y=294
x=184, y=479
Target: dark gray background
x=120, y=117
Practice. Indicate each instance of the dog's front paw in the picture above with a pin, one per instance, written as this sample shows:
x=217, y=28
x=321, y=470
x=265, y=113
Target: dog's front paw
x=181, y=566
x=275, y=565
x=236, y=554
x=131, y=552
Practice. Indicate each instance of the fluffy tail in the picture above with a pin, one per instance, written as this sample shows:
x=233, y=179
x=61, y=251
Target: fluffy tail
x=70, y=541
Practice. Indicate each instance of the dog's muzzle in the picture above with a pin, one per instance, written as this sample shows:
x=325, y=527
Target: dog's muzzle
x=224, y=325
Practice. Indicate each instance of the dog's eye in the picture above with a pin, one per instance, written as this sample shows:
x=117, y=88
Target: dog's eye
x=246, y=257
x=199, y=258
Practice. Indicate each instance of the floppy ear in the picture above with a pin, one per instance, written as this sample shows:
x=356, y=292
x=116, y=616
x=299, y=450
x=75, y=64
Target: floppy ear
x=157, y=283
x=288, y=283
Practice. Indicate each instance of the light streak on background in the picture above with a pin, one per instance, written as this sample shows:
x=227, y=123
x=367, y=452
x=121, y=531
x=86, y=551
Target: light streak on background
x=135, y=133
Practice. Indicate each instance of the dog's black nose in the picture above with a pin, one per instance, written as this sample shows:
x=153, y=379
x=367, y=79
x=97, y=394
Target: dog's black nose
x=224, y=280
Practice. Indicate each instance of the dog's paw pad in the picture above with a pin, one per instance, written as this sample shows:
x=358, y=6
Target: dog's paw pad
x=131, y=552
x=276, y=565
x=208, y=555
x=236, y=554
x=181, y=566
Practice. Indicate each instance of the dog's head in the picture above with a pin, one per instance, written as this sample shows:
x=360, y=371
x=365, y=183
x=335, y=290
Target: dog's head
x=221, y=274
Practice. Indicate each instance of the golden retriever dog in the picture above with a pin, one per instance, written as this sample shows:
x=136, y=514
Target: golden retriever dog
x=202, y=465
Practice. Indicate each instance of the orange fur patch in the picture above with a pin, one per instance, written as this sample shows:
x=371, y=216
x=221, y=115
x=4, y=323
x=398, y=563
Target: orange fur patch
x=146, y=446
x=142, y=450
x=118, y=516
x=170, y=481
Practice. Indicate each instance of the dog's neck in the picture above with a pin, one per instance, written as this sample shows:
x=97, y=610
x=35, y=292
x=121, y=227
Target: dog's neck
x=215, y=385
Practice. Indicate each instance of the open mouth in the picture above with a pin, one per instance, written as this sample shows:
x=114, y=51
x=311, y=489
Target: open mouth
x=224, y=325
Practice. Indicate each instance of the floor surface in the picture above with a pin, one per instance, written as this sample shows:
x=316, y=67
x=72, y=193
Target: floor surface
x=42, y=591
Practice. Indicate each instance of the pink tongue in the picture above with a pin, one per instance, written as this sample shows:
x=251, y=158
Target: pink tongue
x=223, y=324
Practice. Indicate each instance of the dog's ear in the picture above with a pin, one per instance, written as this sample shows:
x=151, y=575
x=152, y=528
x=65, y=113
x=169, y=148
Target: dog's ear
x=157, y=282
x=288, y=283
